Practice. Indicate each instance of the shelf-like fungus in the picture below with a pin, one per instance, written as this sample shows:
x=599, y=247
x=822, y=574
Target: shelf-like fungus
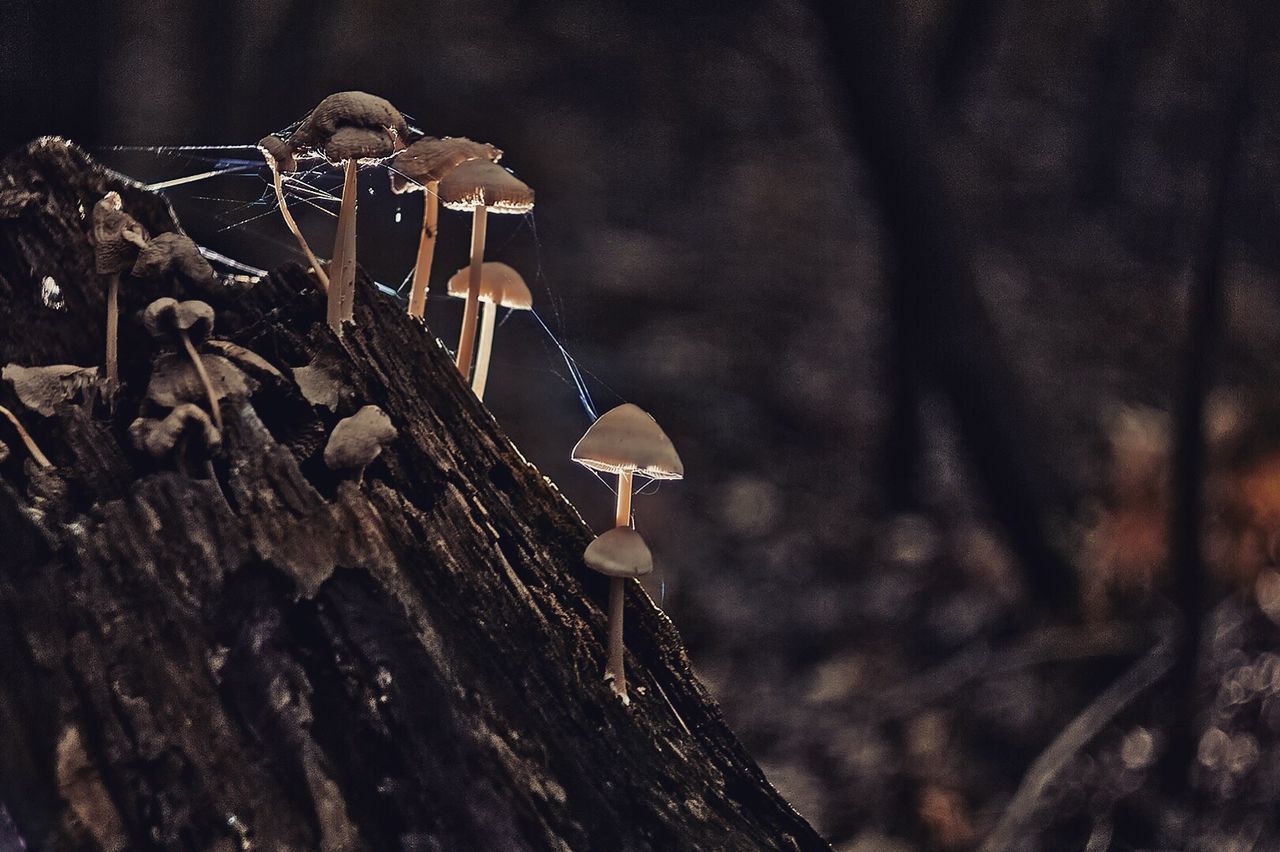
x=420, y=167
x=117, y=239
x=480, y=186
x=500, y=286
x=626, y=441
x=280, y=159
x=620, y=554
x=347, y=129
x=169, y=319
x=358, y=440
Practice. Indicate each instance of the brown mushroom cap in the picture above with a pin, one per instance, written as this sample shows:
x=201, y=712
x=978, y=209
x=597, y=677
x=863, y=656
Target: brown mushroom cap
x=498, y=283
x=117, y=236
x=358, y=439
x=430, y=159
x=173, y=253
x=280, y=152
x=358, y=143
x=41, y=389
x=174, y=380
x=166, y=317
x=626, y=439
x=334, y=117
x=621, y=552
x=482, y=183
x=158, y=437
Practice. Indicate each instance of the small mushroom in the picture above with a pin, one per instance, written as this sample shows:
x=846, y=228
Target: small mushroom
x=500, y=286
x=279, y=157
x=168, y=318
x=175, y=380
x=41, y=389
x=480, y=186
x=25, y=436
x=182, y=430
x=357, y=440
x=627, y=441
x=620, y=554
x=117, y=239
x=170, y=254
x=348, y=128
x=420, y=167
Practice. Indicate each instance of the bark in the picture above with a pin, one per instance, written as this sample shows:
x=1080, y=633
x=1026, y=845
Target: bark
x=285, y=659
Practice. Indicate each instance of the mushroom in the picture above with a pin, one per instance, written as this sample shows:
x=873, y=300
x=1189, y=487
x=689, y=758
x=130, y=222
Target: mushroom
x=169, y=318
x=357, y=440
x=420, y=167
x=348, y=128
x=500, y=286
x=32, y=448
x=41, y=389
x=117, y=239
x=620, y=554
x=279, y=157
x=186, y=427
x=626, y=441
x=480, y=186
x=172, y=253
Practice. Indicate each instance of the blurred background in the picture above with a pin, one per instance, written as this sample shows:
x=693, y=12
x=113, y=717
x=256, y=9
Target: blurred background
x=911, y=295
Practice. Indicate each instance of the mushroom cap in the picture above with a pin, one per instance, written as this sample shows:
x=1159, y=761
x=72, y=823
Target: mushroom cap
x=166, y=317
x=430, y=159
x=358, y=143
x=174, y=380
x=625, y=439
x=358, y=439
x=157, y=437
x=483, y=183
x=498, y=283
x=280, y=152
x=351, y=110
x=621, y=552
x=41, y=389
x=117, y=236
x=173, y=253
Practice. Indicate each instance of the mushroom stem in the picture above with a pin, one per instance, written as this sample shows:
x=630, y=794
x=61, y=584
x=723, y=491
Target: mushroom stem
x=624, y=499
x=204, y=379
x=467, y=339
x=41, y=458
x=426, y=250
x=343, y=265
x=614, y=671
x=293, y=226
x=113, y=331
x=488, y=320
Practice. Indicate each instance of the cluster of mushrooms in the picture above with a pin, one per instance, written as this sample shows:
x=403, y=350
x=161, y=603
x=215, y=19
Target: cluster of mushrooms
x=348, y=129
x=180, y=417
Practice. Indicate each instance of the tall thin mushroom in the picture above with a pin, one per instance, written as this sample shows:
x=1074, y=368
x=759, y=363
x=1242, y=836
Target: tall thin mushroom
x=117, y=239
x=480, y=186
x=280, y=159
x=420, y=168
x=500, y=286
x=620, y=554
x=166, y=318
x=626, y=441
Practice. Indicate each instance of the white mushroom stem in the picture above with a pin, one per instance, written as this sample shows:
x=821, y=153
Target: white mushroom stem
x=113, y=331
x=615, y=672
x=426, y=250
x=624, y=499
x=293, y=226
x=41, y=458
x=343, y=265
x=204, y=379
x=467, y=339
x=488, y=321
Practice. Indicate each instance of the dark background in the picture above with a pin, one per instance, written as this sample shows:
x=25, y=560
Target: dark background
x=706, y=244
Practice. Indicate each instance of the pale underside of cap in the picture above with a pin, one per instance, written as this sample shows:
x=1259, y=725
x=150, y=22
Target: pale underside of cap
x=626, y=439
x=621, y=552
x=498, y=283
x=481, y=183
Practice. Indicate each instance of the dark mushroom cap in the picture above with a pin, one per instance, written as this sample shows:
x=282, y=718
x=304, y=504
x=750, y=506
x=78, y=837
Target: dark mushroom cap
x=334, y=117
x=482, y=183
x=117, y=236
x=625, y=439
x=621, y=552
x=158, y=437
x=174, y=380
x=280, y=152
x=430, y=159
x=358, y=439
x=173, y=253
x=166, y=317
x=498, y=283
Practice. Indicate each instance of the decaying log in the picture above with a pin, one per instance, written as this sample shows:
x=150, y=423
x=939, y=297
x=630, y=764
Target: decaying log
x=282, y=658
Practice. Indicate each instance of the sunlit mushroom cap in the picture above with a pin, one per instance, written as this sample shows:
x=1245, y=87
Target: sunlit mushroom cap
x=498, y=283
x=329, y=127
x=174, y=380
x=166, y=317
x=621, y=552
x=625, y=439
x=482, y=183
x=158, y=437
x=281, y=152
x=358, y=439
x=117, y=236
x=173, y=253
x=430, y=159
